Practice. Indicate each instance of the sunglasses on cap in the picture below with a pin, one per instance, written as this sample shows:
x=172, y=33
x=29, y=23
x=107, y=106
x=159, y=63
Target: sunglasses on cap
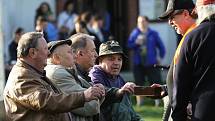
x=176, y=12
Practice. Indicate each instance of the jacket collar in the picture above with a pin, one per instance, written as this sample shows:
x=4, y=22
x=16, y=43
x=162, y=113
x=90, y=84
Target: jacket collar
x=28, y=66
x=81, y=71
x=209, y=18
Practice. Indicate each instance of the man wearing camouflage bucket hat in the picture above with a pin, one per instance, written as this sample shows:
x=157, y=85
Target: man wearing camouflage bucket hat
x=110, y=47
x=107, y=73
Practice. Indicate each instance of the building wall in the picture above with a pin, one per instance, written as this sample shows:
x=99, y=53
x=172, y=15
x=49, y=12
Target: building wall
x=1, y=54
x=168, y=37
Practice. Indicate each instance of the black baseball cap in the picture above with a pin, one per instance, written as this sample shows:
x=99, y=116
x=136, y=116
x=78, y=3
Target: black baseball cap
x=53, y=44
x=174, y=5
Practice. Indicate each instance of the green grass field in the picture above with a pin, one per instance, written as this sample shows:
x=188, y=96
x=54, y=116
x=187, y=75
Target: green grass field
x=148, y=111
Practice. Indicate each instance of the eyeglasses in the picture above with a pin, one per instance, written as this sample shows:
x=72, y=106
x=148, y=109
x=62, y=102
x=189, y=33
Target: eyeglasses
x=176, y=12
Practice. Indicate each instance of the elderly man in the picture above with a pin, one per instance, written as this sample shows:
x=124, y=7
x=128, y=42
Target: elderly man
x=107, y=73
x=29, y=95
x=182, y=18
x=60, y=70
x=194, y=72
x=85, y=56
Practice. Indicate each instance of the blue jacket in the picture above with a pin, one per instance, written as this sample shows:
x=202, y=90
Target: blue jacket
x=153, y=43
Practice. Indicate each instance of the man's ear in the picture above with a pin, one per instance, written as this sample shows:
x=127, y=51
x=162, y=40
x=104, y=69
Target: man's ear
x=186, y=13
x=32, y=52
x=56, y=58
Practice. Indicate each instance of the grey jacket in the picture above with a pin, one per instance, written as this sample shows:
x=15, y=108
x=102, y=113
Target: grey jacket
x=67, y=80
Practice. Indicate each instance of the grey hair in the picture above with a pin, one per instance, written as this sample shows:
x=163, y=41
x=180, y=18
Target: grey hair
x=205, y=11
x=27, y=41
x=79, y=41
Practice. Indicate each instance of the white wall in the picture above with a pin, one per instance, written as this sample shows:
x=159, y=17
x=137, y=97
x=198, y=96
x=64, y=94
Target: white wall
x=151, y=8
x=13, y=14
x=1, y=54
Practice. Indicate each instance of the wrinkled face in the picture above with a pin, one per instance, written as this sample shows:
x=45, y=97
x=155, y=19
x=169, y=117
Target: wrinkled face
x=90, y=54
x=41, y=53
x=176, y=20
x=66, y=55
x=142, y=23
x=111, y=64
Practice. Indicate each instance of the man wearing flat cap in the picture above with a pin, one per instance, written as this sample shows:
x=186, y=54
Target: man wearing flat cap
x=29, y=95
x=194, y=72
x=60, y=70
x=107, y=73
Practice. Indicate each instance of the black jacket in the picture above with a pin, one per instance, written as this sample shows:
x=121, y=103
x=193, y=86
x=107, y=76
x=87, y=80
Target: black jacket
x=194, y=77
x=13, y=51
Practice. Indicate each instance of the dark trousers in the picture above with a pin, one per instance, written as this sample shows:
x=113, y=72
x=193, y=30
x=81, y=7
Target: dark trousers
x=143, y=74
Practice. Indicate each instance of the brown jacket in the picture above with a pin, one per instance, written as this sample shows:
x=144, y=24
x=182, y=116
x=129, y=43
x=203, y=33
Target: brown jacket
x=30, y=96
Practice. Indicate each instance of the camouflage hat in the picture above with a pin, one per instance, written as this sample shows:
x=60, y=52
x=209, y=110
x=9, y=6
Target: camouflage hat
x=109, y=48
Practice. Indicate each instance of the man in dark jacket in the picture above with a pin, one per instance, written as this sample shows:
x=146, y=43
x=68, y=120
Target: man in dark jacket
x=181, y=17
x=194, y=72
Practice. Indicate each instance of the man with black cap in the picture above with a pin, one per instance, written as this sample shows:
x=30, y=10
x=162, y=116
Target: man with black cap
x=29, y=95
x=194, y=72
x=107, y=73
x=181, y=16
x=60, y=70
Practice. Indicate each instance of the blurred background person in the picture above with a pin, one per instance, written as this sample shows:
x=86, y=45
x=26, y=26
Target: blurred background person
x=97, y=27
x=13, y=51
x=81, y=27
x=13, y=45
x=66, y=20
x=87, y=17
x=45, y=11
x=145, y=44
x=41, y=24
